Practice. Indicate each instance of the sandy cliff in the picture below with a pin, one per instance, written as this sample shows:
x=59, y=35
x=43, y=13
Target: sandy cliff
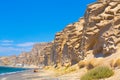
x=97, y=34
x=94, y=40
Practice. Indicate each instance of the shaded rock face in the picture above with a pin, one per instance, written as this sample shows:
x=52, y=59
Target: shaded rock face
x=49, y=55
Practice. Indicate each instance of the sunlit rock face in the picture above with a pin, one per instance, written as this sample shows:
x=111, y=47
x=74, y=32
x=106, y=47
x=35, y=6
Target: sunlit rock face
x=102, y=32
x=98, y=30
x=35, y=56
x=67, y=43
x=5, y=61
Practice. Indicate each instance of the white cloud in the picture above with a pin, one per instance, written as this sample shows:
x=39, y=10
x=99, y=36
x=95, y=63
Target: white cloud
x=27, y=44
x=6, y=44
x=7, y=41
x=8, y=48
x=13, y=49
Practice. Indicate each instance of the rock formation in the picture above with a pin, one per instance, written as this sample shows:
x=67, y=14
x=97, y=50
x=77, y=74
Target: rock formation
x=35, y=56
x=97, y=33
x=98, y=30
x=102, y=22
x=67, y=43
x=6, y=61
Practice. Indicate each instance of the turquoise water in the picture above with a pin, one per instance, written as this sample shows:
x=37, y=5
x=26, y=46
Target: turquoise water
x=10, y=70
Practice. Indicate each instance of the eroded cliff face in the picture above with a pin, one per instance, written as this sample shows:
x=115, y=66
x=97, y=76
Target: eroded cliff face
x=35, y=56
x=102, y=27
x=8, y=60
x=98, y=30
x=67, y=43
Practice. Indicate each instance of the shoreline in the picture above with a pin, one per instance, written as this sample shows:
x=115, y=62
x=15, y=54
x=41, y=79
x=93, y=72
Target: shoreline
x=43, y=75
x=12, y=76
x=27, y=67
x=30, y=75
x=16, y=70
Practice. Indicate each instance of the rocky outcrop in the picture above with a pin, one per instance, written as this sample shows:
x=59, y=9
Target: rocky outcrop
x=102, y=27
x=7, y=60
x=35, y=56
x=98, y=30
x=97, y=33
x=67, y=43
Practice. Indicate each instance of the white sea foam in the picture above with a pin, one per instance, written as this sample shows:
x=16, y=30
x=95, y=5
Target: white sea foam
x=11, y=73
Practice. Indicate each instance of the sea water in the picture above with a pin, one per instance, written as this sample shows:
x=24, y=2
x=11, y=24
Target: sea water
x=10, y=70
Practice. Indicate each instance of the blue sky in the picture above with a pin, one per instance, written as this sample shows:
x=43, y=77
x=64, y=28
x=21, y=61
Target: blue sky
x=26, y=22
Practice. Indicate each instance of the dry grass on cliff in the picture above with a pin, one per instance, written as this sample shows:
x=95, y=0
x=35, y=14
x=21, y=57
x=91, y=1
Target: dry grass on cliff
x=90, y=64
x=115, y=63
x=65, y=70
x=62, y=70
x=94, y=63
x=82, y=64
x=49, y=68
x=98, y=73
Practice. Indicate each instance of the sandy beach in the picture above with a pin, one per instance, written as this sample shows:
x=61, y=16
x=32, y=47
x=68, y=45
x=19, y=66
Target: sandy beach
x=29, y=75
x=50, y=75
x=42, y=75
